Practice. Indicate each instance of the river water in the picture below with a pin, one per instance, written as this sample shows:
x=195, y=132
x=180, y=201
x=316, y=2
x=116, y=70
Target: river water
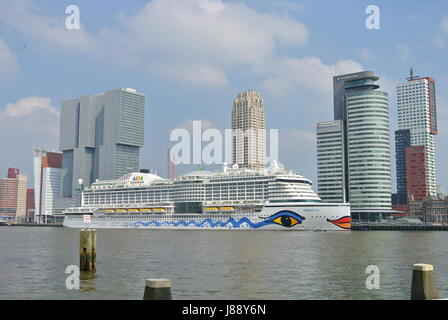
x=220, y=264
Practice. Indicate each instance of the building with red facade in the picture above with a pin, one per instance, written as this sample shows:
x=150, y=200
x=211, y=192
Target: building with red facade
x=416, y=173
x=417, y=123
x=47, y=184
x=13, y=172
x=8, y=196
x=13, y=195
x=30, y=204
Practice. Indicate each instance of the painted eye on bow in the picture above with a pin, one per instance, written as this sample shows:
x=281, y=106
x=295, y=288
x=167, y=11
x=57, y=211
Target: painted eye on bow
x=286, y=221
x=285, y=218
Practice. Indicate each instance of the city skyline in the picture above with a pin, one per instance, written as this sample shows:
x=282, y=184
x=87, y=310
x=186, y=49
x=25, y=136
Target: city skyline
x=296, y=89
x=220, y=150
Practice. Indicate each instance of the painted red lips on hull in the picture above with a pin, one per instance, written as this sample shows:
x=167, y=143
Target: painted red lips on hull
x=344, y=222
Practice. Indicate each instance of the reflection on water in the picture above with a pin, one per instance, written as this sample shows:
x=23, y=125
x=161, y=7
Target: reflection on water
x=219, y=264
x=87, y=280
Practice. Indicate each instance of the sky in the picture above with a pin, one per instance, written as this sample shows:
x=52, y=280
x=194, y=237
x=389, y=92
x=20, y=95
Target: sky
x=192, y=57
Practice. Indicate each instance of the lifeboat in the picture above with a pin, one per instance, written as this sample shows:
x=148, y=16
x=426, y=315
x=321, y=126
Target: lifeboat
x=211, y=209
x=145, y=210
x=132, y=210
x=227, y=209
x=120, y=211
x=109, y=211
x=158, y=210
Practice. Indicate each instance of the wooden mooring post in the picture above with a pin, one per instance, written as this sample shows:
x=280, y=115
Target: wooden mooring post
x=424, y=285
x=87, y=250
x=157, y=289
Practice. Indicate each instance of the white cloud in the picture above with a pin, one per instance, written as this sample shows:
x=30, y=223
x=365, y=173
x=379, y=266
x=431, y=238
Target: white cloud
x=309, y=72
x=8, y=62
x=196, y=75
x=220, y=32
x=27, y=106
x=23, y=16
x=29, y=122
x=194, y=42
x=190, y=41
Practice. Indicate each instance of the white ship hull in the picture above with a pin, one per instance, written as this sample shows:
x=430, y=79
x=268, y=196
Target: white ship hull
x=312, y=217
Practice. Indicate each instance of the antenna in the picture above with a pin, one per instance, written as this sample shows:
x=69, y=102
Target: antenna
x=412, y=77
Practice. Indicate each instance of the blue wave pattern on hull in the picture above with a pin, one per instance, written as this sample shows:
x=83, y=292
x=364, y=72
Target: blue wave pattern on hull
x=284, y=218
x=213, y=224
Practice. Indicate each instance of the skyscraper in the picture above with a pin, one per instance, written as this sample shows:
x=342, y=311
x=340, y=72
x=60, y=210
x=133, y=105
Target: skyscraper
x=416, y=101
x=249, y=135
x=30, y=205
x=331, y=178
x=48, y=173
x=402, y=141
x=363, y=113
x=417, y=181
x=101, y=136
x=22, y=183
x=13, y=195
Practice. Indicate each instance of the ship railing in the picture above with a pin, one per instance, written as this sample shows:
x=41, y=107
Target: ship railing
x=135, y=205
x=234, y=202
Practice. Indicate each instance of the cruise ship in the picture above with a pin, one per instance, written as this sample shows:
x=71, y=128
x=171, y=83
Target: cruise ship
x=229, y=199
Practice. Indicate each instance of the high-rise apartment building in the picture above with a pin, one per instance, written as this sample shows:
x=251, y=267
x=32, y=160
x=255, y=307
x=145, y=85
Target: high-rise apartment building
x=22, y=184
x=249, y=131
x=362, y=123
x=416, y=101
x=101, y=136
x=417, y=182
x=402, y=141
x=30, y=205
x=8, y=196
x=48, y=173
x=331, y=176
x=13, y=195
x=368, y=148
